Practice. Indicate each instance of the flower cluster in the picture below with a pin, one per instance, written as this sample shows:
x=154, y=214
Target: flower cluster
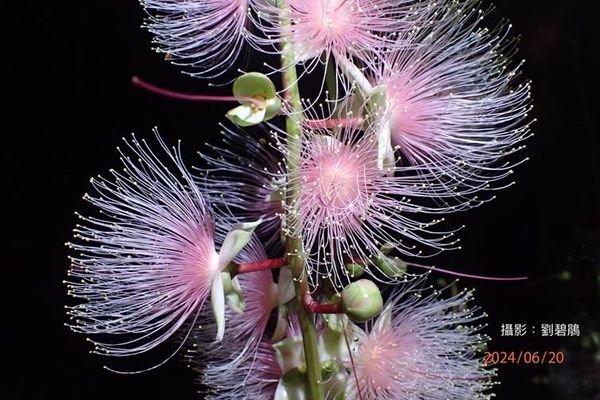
x=251, y=262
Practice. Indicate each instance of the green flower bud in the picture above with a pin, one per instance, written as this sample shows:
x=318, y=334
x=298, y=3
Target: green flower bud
x=361, y=300
x=354, y=270
x=259, y=87
x=391, y=267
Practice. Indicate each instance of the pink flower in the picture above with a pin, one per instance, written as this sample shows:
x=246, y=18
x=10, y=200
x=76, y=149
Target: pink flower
x=457, y=111
x=254, y=378
x=205, y=36
x=348, y=207
x=146, y=262
x=421, y=347
x=341, y=27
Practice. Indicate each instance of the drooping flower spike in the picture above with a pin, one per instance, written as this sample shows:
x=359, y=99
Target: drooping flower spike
x=421, y=347
x=148, y=261
x=204, y=36
x=348, y=208
x=455, y=107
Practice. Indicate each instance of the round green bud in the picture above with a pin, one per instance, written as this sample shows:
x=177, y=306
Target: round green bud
x=361, y=300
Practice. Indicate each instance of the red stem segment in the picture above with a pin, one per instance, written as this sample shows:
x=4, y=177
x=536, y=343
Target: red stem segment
x=330, y=123
x=191, y=97
x=311, y=305
x=262, y=265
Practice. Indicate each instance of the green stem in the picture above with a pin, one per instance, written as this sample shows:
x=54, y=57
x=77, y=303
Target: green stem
x=293, y=244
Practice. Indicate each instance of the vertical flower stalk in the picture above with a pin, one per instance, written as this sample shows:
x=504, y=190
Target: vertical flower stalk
x=293, y=245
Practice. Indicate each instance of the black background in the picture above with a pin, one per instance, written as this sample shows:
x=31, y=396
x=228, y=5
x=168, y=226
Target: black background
x=67, y=70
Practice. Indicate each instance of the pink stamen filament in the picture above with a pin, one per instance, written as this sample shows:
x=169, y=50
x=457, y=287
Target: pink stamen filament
x=430, y=375
x=449, y=272
x=193, y=97
x=262, y=265
x=316, y=308
x=481, y=277
x=330, y=123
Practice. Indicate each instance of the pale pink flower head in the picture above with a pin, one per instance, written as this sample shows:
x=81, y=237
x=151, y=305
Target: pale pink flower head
x=457, y=110
x=348, y=207
x=339, y=27
x=255, y=377
x=204, y=36
x=421, y=347
x=144, y=264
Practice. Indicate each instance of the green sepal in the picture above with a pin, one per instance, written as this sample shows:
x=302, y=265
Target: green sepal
x=235, y=240
x=292, y=386
x=290, y=354
x=217, y=301
x=259, y=87
x=285, y=289
x=254, y=84
x=246, y=115
x=335, y=385
x=335, y=322
x=391, y=267
x=282, y=323
x=233, y=293
x=387, y=248
x=332, y=346
x=354, y=270
x=377, y=101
